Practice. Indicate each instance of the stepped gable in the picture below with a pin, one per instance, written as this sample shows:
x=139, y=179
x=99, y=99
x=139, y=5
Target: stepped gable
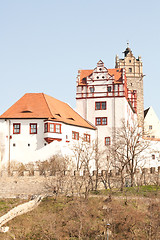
x=116, y=72
x=42, y=106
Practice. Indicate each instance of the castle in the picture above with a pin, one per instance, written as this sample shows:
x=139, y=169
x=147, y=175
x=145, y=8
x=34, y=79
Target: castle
x=38, y=126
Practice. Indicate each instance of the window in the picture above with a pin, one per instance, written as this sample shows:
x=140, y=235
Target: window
x=33, y=128
x=98, y=121
x=153, y=156
x=92, y=89
x=109, y=89
x=57, y=128
x=150, y=127
x=100, y=106
x=52, y=127
x=129, y=61
x=101, y=121
x=16, y=128
x=107, y=141
x=46, y=127
x=97, y=77
x=14, y=144
x=86, y=137
x=130, y=70
x=104, y=121
x=75, y=135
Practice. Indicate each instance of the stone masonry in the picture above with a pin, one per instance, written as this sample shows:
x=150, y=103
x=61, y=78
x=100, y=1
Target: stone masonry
x=134, y=73
x=27, y=186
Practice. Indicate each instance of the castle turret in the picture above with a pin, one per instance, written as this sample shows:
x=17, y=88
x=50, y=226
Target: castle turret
x=134, y=73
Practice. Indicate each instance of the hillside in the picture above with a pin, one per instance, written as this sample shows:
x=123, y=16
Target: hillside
x=133, y=214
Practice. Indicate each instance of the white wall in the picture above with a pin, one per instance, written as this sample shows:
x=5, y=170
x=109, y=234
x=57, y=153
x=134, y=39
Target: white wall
x=38, y=149
x=151, y=119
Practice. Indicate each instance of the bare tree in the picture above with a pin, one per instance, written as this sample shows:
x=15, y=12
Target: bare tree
x=88, y=157
x=127, y=150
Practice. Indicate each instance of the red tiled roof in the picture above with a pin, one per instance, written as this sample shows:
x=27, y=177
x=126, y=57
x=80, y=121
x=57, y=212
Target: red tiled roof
x=40, y=105
x=117, y=72
x=84, y=74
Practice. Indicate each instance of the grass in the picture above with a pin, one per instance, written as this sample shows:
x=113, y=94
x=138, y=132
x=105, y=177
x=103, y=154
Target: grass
x=65, y=218
x=7, y=204
x=144, y=191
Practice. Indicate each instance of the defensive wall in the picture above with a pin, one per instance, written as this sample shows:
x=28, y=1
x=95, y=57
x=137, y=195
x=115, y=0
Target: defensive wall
x=24, y=185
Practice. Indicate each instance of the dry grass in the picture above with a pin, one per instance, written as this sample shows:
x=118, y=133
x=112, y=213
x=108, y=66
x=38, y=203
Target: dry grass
x=78, y=218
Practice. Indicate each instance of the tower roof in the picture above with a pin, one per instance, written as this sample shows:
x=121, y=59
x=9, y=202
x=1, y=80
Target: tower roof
x=42, y=106
x=127, y=51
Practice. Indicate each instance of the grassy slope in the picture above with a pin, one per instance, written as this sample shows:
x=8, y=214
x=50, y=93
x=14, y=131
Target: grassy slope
x=134, y=214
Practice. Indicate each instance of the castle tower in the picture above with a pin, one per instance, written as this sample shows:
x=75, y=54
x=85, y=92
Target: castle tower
x=134, y=73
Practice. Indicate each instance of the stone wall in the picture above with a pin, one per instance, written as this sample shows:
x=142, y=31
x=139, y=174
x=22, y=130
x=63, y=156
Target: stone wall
x=25, y=186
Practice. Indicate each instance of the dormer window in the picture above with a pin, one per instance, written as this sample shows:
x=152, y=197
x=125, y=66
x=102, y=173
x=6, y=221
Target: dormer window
x=71, y=119
x=58, y=114
x=26, y=111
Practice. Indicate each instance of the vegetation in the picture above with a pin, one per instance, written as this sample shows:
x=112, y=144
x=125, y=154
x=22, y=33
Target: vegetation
x=132, y=214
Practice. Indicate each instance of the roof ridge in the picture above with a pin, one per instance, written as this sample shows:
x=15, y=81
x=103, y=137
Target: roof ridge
x=47, y=104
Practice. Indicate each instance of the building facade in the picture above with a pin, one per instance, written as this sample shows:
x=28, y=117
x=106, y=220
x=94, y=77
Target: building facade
x=36, y=121
x=151, y=124
x=103, y=99
x=39, y=126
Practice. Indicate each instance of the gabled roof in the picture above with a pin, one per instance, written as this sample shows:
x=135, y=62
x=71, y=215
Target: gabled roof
x=42, y=106
x=117, y=72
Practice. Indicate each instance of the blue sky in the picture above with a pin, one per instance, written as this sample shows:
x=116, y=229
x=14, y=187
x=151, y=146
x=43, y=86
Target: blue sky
x=43, y=43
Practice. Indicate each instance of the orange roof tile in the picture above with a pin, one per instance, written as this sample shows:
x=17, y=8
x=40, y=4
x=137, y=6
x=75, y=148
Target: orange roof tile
x=84, y=74
x=40, y=105
x=117, y=72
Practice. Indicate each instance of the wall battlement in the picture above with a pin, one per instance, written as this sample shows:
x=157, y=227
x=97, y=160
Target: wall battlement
x=67, y=182
x=38, y=173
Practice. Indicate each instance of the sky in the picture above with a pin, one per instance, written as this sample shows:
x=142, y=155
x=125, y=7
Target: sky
x=43, y=44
